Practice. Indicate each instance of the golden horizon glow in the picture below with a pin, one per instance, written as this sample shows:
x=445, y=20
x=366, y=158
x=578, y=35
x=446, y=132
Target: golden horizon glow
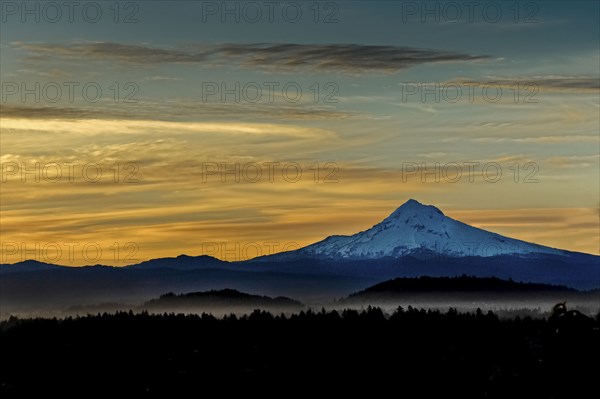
x=175, y=208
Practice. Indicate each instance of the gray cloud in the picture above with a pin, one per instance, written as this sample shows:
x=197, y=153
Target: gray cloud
x=344, y=58
x=577, y=83
x=352, y=58
x=26, y=112
x=546, y=82
x=121, y=53
x=184, y=110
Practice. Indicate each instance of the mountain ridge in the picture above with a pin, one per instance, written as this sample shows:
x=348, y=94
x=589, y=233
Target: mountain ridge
x=415, y=228
x=332, y=267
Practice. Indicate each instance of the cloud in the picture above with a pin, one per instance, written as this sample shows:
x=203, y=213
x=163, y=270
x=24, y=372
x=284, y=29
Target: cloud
x=53, y=73
x=178, y=110
x=122, y=53
x=343, y=58
x=540, y=139
x=352, y=58
x=158, y=77
x=55, y=112
x=147, y=127
x=575, y=161
x=549, y=83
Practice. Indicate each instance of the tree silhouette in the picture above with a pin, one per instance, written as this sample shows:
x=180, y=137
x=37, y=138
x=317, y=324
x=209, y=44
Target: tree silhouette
x=434, y=353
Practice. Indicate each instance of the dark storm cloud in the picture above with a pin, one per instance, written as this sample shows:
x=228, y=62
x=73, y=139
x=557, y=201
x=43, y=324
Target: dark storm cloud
x=346, y=58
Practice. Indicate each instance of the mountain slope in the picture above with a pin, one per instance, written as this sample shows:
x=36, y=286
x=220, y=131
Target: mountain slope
x=415, y=240
x=181, y=262
x=414, y=229
x=26, y=266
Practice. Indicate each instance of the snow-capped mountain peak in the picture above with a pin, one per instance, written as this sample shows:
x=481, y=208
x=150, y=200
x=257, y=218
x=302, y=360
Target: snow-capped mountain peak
x=414, y=206
x=414, y=229
x=413, y=209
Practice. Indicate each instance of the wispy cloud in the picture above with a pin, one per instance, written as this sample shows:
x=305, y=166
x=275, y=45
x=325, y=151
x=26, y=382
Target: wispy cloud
x=550, y=83
x=177, y=110
x=158, y=77
x=344, y=58
x=144, y=127
x=352, y=58
x=57, y=112
x=575, y=161
x=540, y=139
x=122, y=53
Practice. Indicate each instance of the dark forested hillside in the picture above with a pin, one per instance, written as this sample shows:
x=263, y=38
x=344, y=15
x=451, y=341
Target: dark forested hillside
x=468, y=289
x=431, y=353
x=463, y=283
x=215, y=299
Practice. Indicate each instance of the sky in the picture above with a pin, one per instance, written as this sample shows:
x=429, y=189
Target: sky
x=138, y=130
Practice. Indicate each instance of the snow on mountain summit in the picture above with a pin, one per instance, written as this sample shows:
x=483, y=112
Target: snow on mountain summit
x=415, y=228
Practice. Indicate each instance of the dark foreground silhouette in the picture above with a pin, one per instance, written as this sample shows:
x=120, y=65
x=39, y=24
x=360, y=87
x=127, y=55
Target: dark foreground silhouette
x=413, y=353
